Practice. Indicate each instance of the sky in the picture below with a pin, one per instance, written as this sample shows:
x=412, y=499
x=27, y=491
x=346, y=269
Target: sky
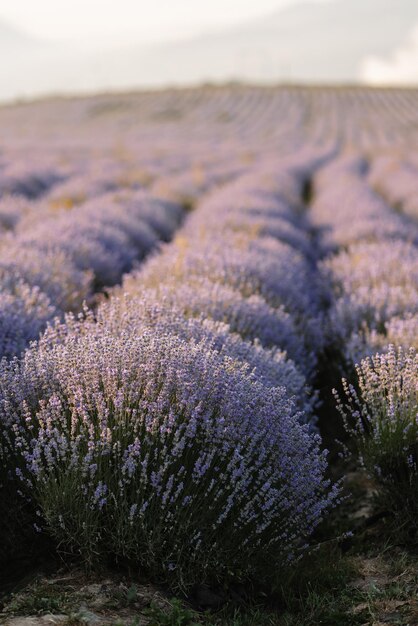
x=79, y=46
x=399, y=68
x=117, y=22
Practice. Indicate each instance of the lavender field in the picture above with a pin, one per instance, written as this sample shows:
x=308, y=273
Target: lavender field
x=209, y=335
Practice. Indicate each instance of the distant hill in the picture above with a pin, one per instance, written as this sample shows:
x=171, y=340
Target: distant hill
x=306, y=42
x=325, y=42
x=329, y=41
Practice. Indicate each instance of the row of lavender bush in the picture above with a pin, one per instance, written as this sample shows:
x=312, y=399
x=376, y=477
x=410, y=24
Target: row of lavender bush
x=54, y=264
x=173, y=428
x=375, y=318
x=27, y=182
x=395, y=176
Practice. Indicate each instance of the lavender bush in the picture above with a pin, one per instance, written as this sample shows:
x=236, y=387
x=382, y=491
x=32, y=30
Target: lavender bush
x=162, y=450
x=381, y=414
